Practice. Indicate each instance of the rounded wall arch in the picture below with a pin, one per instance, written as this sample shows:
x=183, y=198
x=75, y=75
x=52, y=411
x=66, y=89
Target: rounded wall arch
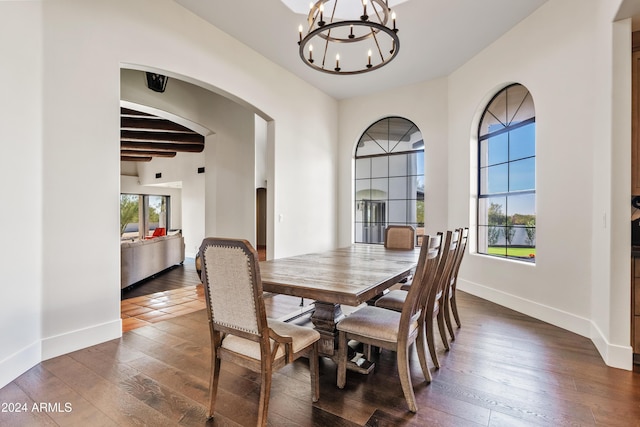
x=87, y=45
x=506, y=176
x=473, y=159
x=229, y=156
x=202, y=84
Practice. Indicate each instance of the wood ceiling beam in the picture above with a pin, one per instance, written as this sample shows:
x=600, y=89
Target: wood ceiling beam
x=161, y=146
x=134, y=113
x=151, y=124
x=135, y=159
x=175, y=137
x=144, y=136
x=146, y=153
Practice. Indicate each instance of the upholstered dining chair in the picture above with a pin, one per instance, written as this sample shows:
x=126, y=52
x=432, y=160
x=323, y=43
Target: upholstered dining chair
x=450, y=303
x=240, y=330
x=400, y=237
x=433, y=310
x=391, y=330
x=394, y=299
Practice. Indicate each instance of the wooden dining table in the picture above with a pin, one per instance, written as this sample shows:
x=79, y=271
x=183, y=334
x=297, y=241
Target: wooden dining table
x=345, y=276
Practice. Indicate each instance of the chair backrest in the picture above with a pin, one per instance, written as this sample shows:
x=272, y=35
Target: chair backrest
x=422, y=280
x=462, y=245
x=399, y=237
x=445, y=268
x=233, y=288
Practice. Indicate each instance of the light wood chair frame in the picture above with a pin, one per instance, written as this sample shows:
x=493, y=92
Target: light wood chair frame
x=435, y=306
x=433, y=310
x=450, y=302
x=268, y=362
x=406, y=335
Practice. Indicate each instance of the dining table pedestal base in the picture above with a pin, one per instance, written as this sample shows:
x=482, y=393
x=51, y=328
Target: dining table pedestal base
x=350, y=276
x=324, y=318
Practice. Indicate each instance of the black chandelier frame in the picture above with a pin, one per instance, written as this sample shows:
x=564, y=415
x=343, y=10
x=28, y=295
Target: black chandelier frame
x=323, y=31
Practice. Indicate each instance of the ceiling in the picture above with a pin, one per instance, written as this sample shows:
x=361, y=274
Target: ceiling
x=436, y=37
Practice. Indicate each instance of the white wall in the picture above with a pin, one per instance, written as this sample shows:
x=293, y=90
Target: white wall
x=425, y=104
x=20, y=171
x=64, y=74
x=561, y=53
x=77, y=140
x=547, y=54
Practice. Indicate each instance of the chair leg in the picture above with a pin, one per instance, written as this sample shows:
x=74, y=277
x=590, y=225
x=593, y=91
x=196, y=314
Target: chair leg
x=431, y=343
x=447, y=318
x=314, y=371
x=421, y=346
x=213, y=383
x=405, y=377
x=442, y=329
x=366, y=349
x=265, y=393
x=454, y=308
x=342, y=359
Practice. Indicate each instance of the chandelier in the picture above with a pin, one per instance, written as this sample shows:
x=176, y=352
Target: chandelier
x=354, y=45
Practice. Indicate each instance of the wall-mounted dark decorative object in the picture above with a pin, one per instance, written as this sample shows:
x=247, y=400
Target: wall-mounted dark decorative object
x=156, y=82
x=201, y=170
x=158, y=175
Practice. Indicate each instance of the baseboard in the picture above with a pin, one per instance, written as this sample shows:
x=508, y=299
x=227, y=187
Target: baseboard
x=616, y=356
x=19, y=363
x=613, y=355
x=75, y=340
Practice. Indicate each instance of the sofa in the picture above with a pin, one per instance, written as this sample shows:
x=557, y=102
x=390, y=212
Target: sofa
x=140, y=259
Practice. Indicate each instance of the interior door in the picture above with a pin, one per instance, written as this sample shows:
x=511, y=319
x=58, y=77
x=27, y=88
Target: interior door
x=374, y=220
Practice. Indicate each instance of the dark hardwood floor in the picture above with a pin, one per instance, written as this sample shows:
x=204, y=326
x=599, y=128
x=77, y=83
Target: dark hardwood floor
x=503, y=369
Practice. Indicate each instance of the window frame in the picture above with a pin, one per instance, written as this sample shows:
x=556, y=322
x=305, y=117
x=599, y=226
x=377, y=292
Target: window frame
x=144, y=224
x=484, y=249
x=371, y=205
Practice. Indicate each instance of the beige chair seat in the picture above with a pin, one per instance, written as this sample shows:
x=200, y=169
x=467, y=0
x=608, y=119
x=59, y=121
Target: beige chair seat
x=302, y=337
x=375, y=322
x=393, y=300
x=392, y=330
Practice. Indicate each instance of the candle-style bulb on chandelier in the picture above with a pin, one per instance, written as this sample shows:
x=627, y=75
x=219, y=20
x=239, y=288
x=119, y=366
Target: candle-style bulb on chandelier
x=363, y=41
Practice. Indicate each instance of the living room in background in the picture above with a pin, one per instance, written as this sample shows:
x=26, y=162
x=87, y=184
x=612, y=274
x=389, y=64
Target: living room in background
x=141, y=215
x=389, y=179
x=506, y=181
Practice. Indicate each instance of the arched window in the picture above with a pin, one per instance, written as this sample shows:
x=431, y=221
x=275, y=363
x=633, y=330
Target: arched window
x=389, y=186
x=507, y=176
